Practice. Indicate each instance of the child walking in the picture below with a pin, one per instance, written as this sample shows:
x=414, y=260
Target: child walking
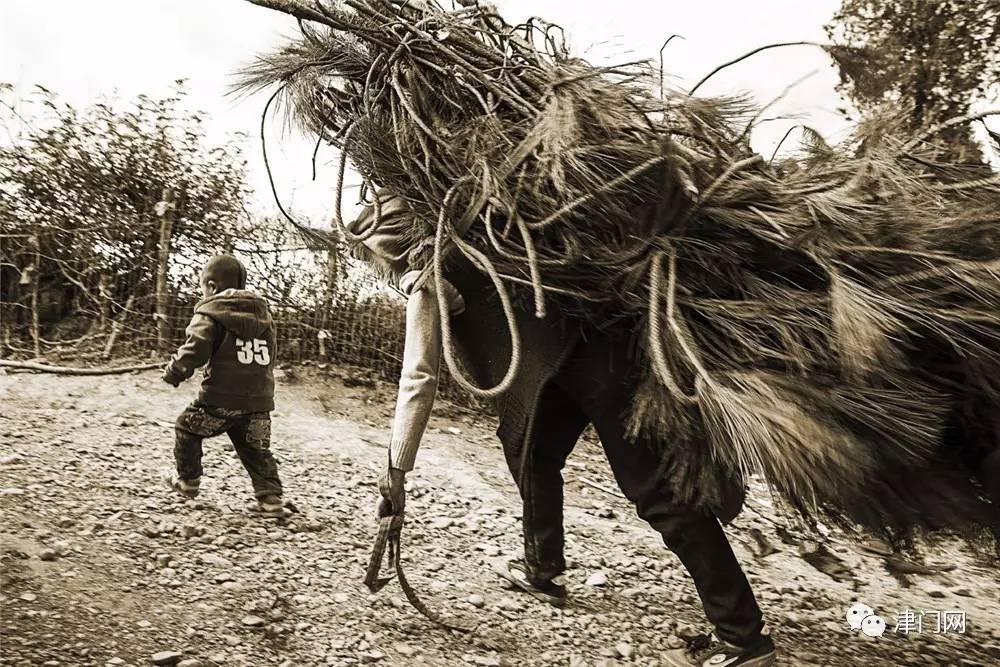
x=233, y=336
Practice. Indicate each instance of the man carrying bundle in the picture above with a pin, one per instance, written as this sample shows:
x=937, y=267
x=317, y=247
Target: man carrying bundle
x=825, y=322
x=571, y=375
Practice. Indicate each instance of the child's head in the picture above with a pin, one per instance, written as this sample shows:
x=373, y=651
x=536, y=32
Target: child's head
x=222, y=272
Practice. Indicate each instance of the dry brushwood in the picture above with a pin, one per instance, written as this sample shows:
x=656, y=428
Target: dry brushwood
x=70, y=370
x=830, y=320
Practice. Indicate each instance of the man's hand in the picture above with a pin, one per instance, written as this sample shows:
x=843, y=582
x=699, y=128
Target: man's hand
x=394, y=504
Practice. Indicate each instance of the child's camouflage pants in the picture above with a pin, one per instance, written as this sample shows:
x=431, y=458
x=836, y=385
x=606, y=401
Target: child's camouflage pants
x=250, y=433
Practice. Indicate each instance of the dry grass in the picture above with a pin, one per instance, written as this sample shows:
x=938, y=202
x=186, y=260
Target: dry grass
x=821, y=316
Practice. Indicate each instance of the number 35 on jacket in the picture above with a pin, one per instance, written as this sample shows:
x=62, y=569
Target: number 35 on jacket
x=252, y=352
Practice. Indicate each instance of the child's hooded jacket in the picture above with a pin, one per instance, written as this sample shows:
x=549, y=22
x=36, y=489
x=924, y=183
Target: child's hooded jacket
x=233, y=333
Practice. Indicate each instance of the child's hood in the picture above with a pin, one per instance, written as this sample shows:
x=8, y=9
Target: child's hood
x=243, y=312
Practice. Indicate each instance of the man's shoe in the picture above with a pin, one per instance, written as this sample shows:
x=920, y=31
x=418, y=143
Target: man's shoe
x=707, y=651
x=877, y=547
x=516, y=572
x=186, y=487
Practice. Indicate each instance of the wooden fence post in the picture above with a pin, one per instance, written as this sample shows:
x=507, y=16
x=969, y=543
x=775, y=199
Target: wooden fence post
x=116, y=327
x=165, y=210
x=36, y=333
x=330, y=289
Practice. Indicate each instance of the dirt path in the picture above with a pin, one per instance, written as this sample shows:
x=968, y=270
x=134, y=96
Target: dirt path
x=99, y=565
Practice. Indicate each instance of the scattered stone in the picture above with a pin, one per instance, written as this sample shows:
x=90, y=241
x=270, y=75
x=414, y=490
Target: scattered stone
x=405, y=650
x=115, y=661
x=623, y=650
x=231, y=640
x=793, y=620
x=964, y=592
x=491, y=550
x=190, y=662
x=687, y=631
x=598, y=578
x=477, y=601
x=936, y=593
x=47, y=555
x=190, y=530
x=166, y=657
x=12, y=491
x=454, y=431
x=508, y=604
x=214, y=559
x=28, y=597
x=834, y=627
x=372, y=656
x=253, y=621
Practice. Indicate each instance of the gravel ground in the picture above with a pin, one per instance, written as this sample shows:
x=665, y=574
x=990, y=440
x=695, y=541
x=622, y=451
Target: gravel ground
x=100, y=565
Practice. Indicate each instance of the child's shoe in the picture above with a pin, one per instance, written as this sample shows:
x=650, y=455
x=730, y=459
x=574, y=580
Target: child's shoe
x=271, y=506
x=186, y=487
x=551, y=590
x=707, y=651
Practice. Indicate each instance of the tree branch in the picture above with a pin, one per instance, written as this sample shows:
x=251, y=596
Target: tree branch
x=68, y=370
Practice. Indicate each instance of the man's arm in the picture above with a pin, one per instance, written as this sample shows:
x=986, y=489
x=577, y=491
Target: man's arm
x=194, y=353
x=419, y=379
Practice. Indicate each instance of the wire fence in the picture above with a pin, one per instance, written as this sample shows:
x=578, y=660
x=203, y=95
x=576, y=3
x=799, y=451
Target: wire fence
x=353, y=321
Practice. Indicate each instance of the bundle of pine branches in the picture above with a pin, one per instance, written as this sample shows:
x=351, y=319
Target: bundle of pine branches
x=830, y=321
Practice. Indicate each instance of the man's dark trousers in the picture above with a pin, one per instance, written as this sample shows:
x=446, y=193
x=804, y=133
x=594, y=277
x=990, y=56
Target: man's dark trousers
x=250, y=433
x=594, y=386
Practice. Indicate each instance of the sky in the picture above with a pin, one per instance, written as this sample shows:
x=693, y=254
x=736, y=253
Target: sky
x=84, y=51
